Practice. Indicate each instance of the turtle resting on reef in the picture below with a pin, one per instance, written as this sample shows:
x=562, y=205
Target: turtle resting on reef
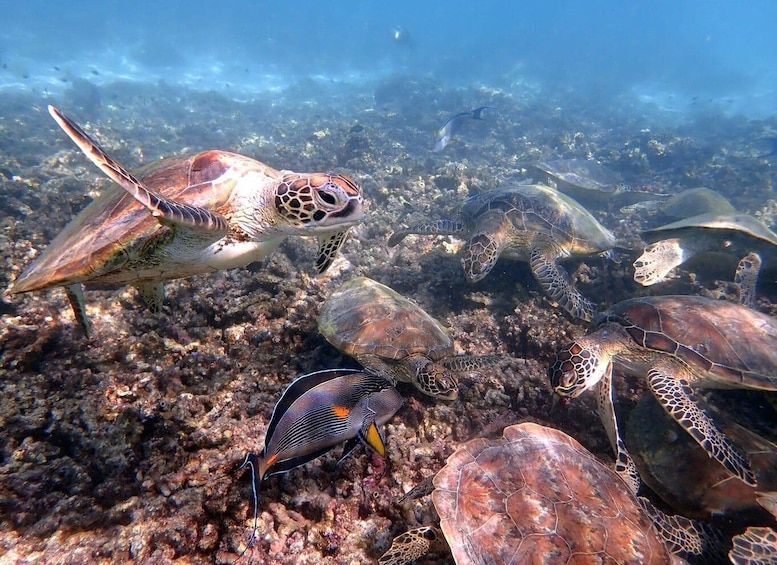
x=185, y=216
x=675, y=243
x=537, y=496
x=391, y=336
x=678, y=344
x=529, y=222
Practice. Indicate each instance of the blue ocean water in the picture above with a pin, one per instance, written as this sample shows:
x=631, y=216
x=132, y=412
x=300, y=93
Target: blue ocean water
x=667, y=57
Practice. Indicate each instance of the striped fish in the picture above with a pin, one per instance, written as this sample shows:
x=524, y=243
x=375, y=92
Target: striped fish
x=318, y=412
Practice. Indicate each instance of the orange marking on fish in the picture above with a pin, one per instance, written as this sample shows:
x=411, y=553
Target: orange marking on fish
x=341, y=411
x=271, y=459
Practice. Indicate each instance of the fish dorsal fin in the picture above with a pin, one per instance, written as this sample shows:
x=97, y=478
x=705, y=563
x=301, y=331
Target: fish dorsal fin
x=299, y=387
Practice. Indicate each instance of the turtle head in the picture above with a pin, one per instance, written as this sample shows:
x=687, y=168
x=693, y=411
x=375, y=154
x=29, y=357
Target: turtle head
x=578, y=367
x=434, y=379
x=319, y=202
x=479, y=256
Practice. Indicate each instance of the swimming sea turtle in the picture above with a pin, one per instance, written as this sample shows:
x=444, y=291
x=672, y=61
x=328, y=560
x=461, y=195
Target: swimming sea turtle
x=677, y=343
x=185, y=216
x=588, y=182
x=695, y=201
x=393, y=337
x=672, y=245
x=537, y=496
x=530, y=222
x=677, y=469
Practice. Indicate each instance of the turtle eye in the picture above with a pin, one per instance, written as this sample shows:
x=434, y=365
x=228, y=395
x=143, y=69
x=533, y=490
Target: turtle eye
x=328, y=197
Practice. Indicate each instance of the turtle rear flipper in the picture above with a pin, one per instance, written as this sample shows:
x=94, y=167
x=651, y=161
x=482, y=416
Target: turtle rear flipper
x=440, y=227
x=555, y=281
x=75, y=294
x=168, y=212
x=675, y=396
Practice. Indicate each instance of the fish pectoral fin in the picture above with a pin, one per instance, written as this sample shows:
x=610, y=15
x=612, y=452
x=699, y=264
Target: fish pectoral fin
x=349, y=446
x=372, y=437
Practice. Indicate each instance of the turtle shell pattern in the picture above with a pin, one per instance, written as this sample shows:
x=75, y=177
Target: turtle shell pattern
x=365, y=317
x=726, y=344
x=537, y=208
x=538, y=492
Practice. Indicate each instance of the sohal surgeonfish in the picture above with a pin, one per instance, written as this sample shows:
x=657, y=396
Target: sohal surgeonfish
x=316, y=413
x=444, y=135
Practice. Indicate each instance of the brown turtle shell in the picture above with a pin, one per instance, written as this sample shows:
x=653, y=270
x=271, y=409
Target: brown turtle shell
x=114, y=229
x=365, y=317
x=726, y=225
x=726, y=344
x=537, y=494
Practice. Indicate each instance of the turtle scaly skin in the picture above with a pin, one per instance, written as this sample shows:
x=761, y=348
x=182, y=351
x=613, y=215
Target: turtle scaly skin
x=531, y=223
x=185, y=216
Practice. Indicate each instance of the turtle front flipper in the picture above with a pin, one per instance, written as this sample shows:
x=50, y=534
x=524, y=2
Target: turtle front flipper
x=166, y=211
x=658, y=259
x=440, y=227
x=412, y=545
x=555, y=281
x=676, y=398
x=746, y=278
x=153, y=295
x=624, y=464
x=328, y=246
x=755, y=546
x=470, y=363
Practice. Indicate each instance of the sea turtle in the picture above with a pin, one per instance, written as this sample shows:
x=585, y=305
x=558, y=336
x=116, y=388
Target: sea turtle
x=530, y=222
x=392, y=336
x=185, y=216
x=681, y=473
x=537, y=495
x=588, y=182
x=676, y=468
x=695, y=201
x=678, y=344
x=672, y=245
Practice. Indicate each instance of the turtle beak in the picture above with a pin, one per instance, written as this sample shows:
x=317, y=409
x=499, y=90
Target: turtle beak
x=556, y=401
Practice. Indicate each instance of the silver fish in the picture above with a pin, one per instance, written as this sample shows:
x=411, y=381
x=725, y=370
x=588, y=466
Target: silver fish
x=444, y=135
x=316, y=413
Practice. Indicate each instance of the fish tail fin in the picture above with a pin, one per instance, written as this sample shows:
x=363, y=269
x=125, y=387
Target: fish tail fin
x=258, y=468
x=371, y=436
x=477, y=112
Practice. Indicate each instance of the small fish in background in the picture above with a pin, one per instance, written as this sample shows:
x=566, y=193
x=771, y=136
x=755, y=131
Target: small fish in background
x=445, y=134
x=765, y=146
x=316, y=413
